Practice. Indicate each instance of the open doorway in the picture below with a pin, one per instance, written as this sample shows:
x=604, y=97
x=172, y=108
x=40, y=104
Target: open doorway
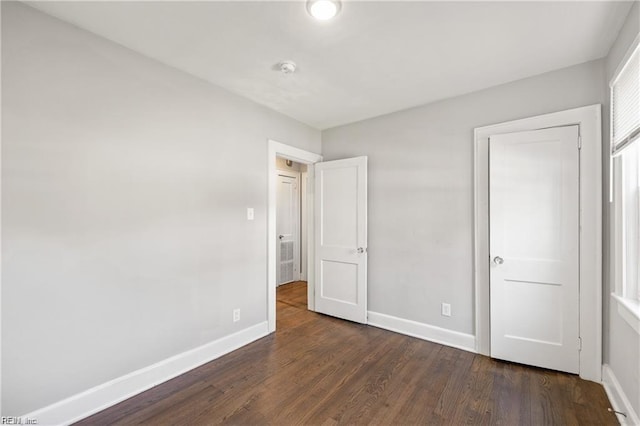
x=291, y=230
x=336, y=239
x=301, y=162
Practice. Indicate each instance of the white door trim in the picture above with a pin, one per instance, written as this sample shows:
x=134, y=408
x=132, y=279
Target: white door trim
x=589, y=119
x=277, y=149
x=304, y=214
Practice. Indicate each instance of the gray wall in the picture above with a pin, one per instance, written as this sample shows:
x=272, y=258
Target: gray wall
x=421, y=189
x=621, y=342
x=125, y=185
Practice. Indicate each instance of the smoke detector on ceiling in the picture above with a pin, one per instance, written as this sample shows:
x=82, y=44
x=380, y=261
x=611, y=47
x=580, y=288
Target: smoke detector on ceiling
x=287, y=67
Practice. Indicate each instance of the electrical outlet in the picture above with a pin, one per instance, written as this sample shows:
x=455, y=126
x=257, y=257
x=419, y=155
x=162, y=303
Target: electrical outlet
x=446, y=309
x=236, y=315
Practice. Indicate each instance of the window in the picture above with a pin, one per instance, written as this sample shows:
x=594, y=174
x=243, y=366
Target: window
x=625, y=104
x=630, y=220
x=625, y=166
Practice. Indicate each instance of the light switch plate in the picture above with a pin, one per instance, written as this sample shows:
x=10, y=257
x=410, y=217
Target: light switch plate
x=250, y=213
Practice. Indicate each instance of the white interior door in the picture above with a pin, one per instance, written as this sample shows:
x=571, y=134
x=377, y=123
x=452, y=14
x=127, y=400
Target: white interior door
x=341, y=238
x=287, y=227
x=534, y=232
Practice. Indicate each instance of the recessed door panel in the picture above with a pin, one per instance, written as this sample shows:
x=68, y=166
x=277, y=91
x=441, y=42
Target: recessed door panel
x=340, y=209
x=340, y=281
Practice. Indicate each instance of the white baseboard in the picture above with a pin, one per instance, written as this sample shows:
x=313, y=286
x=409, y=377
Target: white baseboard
x=618, y=398
x=98, y=398
x=423, y=331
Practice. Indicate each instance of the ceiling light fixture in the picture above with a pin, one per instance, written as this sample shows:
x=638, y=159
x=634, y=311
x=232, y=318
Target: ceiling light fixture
x=323, y=9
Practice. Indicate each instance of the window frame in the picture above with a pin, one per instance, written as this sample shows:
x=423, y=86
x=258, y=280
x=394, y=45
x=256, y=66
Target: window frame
x=628, y=304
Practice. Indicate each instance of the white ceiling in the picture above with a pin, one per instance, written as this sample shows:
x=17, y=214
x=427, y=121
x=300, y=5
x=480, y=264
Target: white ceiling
x=374, y=58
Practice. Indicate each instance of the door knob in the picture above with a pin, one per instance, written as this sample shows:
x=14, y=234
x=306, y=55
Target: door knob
x=280, y=237
x=498, y=260
x=360, y=250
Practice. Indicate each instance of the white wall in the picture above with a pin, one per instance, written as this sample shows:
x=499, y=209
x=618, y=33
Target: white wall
x=125, y=239
x=621, y=342
x=421, y=189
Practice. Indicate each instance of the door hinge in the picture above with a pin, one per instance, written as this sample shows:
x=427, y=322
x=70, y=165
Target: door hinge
x=579, y=343
x=579, y=142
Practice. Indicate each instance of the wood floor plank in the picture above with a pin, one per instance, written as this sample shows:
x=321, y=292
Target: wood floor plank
x=321, y=370
x=509, y=407
x=403, y=395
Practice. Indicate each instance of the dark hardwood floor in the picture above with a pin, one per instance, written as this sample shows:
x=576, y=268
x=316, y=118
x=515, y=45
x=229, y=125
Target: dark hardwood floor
x=323, y=371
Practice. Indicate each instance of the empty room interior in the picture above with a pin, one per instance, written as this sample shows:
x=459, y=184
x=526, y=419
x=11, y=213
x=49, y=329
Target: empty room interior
x=320, y=212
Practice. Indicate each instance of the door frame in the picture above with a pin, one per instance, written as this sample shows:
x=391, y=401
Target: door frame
x=277, y=149
x=304, y=217
x=589, y=120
